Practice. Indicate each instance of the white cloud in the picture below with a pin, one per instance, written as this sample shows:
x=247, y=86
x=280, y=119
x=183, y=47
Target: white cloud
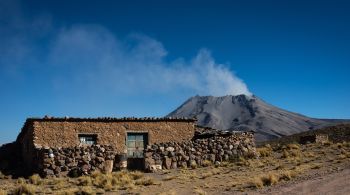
x=89, y=57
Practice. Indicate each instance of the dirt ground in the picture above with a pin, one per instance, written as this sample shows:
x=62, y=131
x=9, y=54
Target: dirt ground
x=333, y=184
x=284, y=169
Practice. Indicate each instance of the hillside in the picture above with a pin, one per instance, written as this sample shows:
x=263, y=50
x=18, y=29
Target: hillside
x=248, y=113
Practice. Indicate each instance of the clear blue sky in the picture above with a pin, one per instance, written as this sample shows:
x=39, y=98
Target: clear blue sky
x=144, y=58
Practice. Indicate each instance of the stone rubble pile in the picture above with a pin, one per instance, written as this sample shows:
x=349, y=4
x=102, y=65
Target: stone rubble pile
x=198, y=152
x=75, y=161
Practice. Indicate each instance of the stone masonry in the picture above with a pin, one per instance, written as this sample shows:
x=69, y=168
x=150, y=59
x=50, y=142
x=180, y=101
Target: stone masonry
x=74, y=161
x=171, y=155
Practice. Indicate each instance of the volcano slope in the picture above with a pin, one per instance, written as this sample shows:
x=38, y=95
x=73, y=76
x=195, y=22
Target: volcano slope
x=244, y=113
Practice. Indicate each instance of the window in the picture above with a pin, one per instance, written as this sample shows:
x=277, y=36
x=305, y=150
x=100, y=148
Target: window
x=136, y=143
x=89, y=139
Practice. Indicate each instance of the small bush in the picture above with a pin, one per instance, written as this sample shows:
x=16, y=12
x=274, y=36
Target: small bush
x=293, y=146
x=84, y=181
x=27, y=189
x=193, y=164
x=136, y=175
x=256, y=182
x=21, y=180
x=270, y=179
x=286, y=175
x=264, y=151
x=35, y=179
x=207, y=163
x=291, y=153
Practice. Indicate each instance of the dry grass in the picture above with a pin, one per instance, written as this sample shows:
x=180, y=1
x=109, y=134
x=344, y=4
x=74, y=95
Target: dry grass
x=84, y=181
x=199, y=191
x=271, y=178
x=287, y=175
x=265, y=151
x=21, y=180
x=27, y=189
x=214, y=171
x=35, y=179
x=116, y=181
x=207, y=163
x=316, y=166
x=86, y=190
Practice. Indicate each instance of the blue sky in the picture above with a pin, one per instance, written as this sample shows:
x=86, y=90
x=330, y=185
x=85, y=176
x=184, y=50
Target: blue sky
x=138, y=58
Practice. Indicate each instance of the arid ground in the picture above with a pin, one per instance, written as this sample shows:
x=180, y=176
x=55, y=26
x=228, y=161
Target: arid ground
x=281, y=169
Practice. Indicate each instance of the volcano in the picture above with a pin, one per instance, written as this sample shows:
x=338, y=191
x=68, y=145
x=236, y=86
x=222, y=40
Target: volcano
x=248, y=113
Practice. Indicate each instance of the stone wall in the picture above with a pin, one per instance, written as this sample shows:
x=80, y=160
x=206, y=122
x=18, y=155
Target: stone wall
x=171, y=155
x=74, y=161
x=321, y=138
x=56, y=133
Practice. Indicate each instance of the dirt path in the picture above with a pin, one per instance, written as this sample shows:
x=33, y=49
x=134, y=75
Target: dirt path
x=332, y=184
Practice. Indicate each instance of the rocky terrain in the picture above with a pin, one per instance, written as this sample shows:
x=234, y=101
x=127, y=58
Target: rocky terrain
x=248, y=113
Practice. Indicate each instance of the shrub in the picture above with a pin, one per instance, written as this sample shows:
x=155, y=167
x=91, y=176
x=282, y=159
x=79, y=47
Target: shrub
x=136, y=175
x=21, y=180
x=84, y=181
x=207, y=163
x=286, y=175
x=293, y=146
x=25, y=189
x=257, y=182
x=270, y=179
x=264, y=151
x=35, y=179
x=193, y=164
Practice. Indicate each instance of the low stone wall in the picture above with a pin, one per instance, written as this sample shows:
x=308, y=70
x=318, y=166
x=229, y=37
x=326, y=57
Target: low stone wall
x=74, y=161
x=198, y=152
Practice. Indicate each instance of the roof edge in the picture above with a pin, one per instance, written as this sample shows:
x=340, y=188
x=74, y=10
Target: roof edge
x=112, y=119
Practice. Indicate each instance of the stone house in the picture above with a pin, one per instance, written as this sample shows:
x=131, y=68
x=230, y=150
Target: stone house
x=121, y=134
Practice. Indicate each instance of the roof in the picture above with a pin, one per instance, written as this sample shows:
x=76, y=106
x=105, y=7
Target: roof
x=113, y=119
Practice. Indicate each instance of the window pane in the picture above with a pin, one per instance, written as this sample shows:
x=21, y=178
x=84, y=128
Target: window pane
x=131, y=144
x=139, y=137
x=131, y=137
x=87, y=139
x=139, y=144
